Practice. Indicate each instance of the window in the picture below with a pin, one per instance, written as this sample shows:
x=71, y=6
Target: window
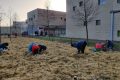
x=84, y=23
x=61, y=18
x=118, y=33
x=29, y=19
x=100, y=2
x=80, y=3
x=64, y=19
x=98, y=22
x=118, y=1
x=74, y=7
x=34, y=16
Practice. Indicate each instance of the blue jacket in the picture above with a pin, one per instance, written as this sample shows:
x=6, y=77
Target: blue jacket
x=78, y=44
x=30, y=46
x=3, y=46
x=110, y=44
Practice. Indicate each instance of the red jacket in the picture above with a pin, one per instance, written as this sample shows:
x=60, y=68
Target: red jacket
x=35, y=48
x=99, y=46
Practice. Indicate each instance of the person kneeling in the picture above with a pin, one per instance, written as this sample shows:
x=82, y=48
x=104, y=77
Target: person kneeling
x=80, y=46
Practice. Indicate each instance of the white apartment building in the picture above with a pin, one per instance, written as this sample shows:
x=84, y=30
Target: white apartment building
x=105, y=25
x=39, y=19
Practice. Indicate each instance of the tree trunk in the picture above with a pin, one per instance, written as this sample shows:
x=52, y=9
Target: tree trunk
x=86, y=31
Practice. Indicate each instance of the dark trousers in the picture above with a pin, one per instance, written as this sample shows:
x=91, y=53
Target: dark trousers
x=42, y=48
x=82, y=48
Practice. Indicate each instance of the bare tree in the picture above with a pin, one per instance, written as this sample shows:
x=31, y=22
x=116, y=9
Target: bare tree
x=47, y=5
x=9, y=16
x=1, y=18
x=86, y=12
x=49, y=16
x=15, y=18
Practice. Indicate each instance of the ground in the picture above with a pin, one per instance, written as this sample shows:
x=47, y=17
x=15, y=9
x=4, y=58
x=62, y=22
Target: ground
x=59, y=62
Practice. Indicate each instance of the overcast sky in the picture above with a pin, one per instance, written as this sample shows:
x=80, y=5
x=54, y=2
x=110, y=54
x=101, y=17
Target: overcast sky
x=21, y=7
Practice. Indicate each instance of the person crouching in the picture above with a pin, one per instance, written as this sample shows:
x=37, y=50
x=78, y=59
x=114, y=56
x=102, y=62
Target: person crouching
x=80, y=46
x=36, y=48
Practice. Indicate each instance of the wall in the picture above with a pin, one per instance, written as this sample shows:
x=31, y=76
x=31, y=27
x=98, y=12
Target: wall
x=100, y=32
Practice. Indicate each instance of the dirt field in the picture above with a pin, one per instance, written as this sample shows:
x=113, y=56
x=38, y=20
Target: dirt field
x=59, y=62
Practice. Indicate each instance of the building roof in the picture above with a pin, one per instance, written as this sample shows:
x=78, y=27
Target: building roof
x=46, y=9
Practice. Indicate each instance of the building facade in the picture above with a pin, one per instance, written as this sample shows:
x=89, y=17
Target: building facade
x=104, y=26
x=5, y=30
x=46, y=21
x=21, y=25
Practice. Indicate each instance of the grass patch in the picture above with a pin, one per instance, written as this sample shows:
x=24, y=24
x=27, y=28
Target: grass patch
x=65, y=40
x=68, y=40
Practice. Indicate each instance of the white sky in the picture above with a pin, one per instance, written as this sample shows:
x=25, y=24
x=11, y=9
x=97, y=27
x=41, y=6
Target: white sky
x=58, y=5
x=21, y=7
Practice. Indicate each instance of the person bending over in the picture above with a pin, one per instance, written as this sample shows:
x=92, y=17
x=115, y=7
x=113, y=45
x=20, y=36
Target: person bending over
x=36, y=48
x=42, y=48
x=109, y=45
x=3, y=46
x=80, y=46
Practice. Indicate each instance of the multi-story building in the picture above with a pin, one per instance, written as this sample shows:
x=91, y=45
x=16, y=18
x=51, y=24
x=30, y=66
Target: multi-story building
x=49, y=21
x=5, y=30
x=105, y=24
x=21, y=25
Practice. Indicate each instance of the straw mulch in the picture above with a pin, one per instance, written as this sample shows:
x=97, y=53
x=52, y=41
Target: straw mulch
x=59, y=62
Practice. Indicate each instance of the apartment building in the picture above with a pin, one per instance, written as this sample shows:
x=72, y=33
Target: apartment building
x=105, y=24
x=46, y=21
